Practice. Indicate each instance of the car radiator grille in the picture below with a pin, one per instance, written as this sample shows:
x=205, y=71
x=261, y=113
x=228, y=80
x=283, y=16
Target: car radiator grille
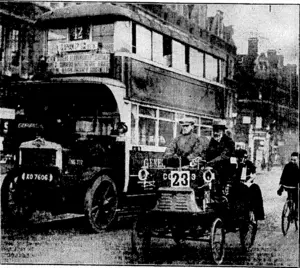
x=171, y=202
x=38, y=157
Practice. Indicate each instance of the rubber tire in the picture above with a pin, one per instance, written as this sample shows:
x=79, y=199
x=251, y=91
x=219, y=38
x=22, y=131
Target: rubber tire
x=14, y=212
x=95, y=203
x=285, y=222
x=218, y=255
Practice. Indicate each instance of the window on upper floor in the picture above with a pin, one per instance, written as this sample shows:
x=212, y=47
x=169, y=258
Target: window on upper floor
x=1, y=43
x=143, y=42
x=211, y=68
x=15, y=47
x=104, y=35
x=230, y=69
x=157, y=48
x=222, y=70
x=178, y=56
x=167, y=50
x=196, y=62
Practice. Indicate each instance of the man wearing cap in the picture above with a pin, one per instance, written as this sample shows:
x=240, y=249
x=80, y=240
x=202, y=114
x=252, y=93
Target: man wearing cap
x=186, y=146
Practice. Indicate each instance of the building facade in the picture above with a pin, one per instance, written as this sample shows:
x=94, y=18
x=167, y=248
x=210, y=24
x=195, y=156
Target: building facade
x=17, y=51
x=268, y=97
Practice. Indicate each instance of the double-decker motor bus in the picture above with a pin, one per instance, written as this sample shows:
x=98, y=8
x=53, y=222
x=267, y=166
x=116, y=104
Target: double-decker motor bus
x=111, y=84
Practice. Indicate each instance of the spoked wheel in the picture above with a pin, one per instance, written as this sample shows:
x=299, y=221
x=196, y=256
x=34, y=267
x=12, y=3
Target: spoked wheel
x=141, y=238
x=292, y=214
x=248, y=229
x=285, y=218
x=14, y=202
x=217, y=241
x=101, y=203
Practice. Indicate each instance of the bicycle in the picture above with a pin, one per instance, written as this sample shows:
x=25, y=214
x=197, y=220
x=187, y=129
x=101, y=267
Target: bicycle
x=289, y=212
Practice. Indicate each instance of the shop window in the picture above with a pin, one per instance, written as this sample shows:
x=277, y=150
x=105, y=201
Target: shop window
x=143, y=42
x=79, y=32
x=196, y=62
x=211, y=68
x=167, y=50
x=104, y=35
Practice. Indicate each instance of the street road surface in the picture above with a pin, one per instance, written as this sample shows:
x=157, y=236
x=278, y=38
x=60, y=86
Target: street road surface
x=70, y=242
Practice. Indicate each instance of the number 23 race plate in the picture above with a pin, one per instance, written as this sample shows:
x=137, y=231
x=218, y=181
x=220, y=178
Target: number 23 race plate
x=180, y=178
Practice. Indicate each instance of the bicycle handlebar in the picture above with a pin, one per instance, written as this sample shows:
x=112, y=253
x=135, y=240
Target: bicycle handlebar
x=289, y=187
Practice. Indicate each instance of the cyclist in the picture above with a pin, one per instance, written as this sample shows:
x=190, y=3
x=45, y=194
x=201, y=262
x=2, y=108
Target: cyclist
x=290, y=177
x=186, y=146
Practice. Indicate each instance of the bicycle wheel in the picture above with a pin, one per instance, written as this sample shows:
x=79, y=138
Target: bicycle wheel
x=285, y=217
x=294, y=214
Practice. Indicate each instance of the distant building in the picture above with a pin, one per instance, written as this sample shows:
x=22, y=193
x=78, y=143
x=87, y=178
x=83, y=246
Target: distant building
x=267, y=104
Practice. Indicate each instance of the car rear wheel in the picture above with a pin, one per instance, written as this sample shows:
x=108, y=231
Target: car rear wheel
x=217, y=241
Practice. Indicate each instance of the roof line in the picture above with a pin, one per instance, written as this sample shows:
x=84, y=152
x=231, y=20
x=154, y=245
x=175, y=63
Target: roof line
x=17, y=17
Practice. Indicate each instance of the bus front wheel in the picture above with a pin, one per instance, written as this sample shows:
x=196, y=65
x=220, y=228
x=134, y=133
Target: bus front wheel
x=101, y=203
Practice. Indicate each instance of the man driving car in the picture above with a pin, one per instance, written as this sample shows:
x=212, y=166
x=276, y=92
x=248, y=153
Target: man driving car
x=186, y=146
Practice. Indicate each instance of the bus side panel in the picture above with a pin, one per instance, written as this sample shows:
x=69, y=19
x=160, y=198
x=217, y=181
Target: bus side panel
x=139, y=160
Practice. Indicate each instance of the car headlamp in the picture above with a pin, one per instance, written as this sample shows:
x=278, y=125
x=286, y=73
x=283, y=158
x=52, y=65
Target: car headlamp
x=208, y=176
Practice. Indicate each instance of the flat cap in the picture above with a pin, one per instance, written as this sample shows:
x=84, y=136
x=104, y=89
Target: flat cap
x=187, y=121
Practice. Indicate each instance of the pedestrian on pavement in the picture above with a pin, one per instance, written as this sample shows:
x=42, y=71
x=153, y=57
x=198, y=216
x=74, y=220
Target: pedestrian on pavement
x=187, y=146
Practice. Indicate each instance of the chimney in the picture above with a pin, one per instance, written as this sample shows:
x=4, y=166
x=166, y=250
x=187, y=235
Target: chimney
x=253, y=46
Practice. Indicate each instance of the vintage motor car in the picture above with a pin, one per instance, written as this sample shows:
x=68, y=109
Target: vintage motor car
x=189, y=208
